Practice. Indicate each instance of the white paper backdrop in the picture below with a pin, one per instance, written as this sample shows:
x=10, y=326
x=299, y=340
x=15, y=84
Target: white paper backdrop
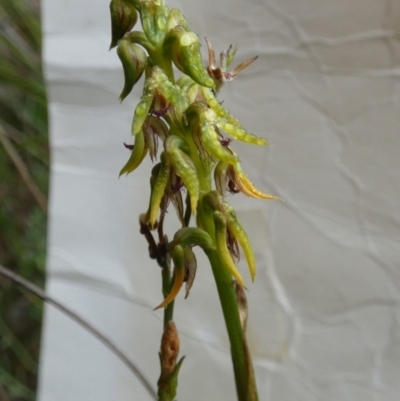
x=324, y=311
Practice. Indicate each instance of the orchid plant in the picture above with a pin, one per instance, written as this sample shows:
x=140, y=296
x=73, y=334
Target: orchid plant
x=196, y=169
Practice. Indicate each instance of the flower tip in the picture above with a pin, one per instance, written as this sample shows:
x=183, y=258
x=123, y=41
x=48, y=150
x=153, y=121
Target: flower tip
x=158, y=307
x=262, y=142
x=239, y=279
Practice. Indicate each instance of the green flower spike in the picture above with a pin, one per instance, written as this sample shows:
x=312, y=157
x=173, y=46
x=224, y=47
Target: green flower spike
x=154, y=17
x=133, y=59
x=123, y=19
x=178, y=257
x=195, y=130
x=222, y=248
x=184, y=48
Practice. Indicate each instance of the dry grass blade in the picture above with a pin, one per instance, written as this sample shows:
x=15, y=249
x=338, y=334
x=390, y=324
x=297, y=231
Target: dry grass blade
x=23, y=171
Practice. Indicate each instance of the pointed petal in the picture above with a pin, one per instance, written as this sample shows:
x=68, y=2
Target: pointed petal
x=158, y=190
x=239, y=133
x=139, y=152
x=241, y=67
x=179, y=262
x=211, y=55
x=223, y=251
x=243, y=239
x=191, y=267
x=247, y=187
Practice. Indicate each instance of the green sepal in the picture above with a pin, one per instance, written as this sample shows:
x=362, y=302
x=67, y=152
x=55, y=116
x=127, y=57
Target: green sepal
x=143, y=107
x=213, y=201
x=193, y=113
x=139, y=38
x=154, y=128
x=176, y=18
x=239, y=133
x=154, y=19
x=171, y=92
x=135, y=3
x=218, y=108
x=191, y=267
x=158, y=189
x=184, y=168
x=184, y=49
x=133, y=59
x=123, y=18
x=240, y=234
x=187, y=172
x=222, y=248
x=203, y=119
x=220, y=177
x=139, y=152
x=210, y=139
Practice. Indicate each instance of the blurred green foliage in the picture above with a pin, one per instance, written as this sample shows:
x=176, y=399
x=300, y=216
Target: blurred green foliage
x=24, y=130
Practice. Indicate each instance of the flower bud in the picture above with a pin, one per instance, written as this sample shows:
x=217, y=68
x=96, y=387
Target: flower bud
x=133, y=59
x=184, y=49
x=169, y=351
x=154, y=19
x=123, y=18
x=176, y=18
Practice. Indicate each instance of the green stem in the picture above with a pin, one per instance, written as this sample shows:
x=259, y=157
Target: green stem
x=228, y=301
x=166, y=288
x=227, y=296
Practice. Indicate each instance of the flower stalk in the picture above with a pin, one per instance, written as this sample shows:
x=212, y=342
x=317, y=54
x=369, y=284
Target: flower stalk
x=181, y=124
